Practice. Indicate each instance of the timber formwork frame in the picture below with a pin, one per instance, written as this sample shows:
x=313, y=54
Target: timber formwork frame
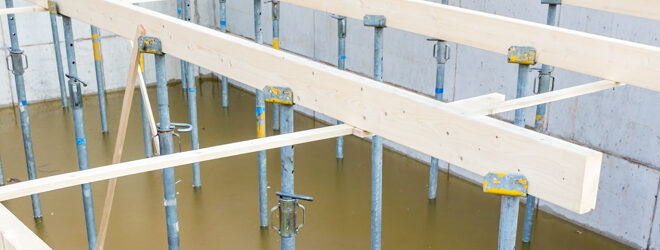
x=459, y=133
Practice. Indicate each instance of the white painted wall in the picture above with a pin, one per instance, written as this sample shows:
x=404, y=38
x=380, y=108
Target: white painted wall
x=623, y=123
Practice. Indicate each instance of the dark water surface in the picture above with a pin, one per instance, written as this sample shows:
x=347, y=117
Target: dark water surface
x=224, y=214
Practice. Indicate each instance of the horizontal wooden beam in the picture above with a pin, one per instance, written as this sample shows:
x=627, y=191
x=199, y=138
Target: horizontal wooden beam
x=15, y=235
x=21, y=10
x=475, y=104
x=172, y=160
x=552, y=96
x=607, y=58
x=562, y=173
x=649, y=9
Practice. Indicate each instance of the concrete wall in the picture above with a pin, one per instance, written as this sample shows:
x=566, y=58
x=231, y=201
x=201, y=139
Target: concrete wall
x=619, y=122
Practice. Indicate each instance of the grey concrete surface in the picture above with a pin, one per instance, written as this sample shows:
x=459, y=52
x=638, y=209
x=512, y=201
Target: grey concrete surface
x=623, y=123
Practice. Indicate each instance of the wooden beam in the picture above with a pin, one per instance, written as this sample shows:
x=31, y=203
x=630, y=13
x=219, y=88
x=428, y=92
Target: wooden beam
x=607, y=58
x=28, y=9
x=21, y=10
x=15, y=235
x=473, y=104
x=172, y=160
x=133, y=70
x=562, y=173
x=649, y=9
x=551, y=96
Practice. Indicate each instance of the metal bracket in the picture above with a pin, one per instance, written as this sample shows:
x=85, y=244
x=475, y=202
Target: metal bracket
x=377, y=21
x=341, y=25
x=183, y=127
x=171, y=131
x=52, y=7
x=522, y=55
x=505, y=184
x=280, y=95
x=12, y=54
x=537, y=82
x=558, y=2
x=150, y=44
x=287, y=205
x=275, y=9
x=447, y=51
x=75, y=80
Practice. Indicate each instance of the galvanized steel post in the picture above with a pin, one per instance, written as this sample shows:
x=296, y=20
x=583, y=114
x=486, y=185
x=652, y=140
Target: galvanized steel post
x=165, y=132
x=261, y=161
x=223, y=28
x=75, y=92
x=545, y=80
x=16, y=55
x=341, y=64
x=179, y=14
x=52, y=8
x=276, y=45
x=378, y=22
x=441, y=54
x=511, y=188
x=98, y=67
x=192, y=106
x=284, y=96
x=258, y=36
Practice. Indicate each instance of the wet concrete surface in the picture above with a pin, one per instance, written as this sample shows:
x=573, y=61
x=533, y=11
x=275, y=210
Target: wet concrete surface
x=224, y=213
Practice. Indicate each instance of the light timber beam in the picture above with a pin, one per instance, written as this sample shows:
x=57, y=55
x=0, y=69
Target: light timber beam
x=562, y=173
x=604, y=57
x=15, y=235
x=649, y=9
x=475, y=104
x=172, y=160
x=21, y=10
x=544, y=98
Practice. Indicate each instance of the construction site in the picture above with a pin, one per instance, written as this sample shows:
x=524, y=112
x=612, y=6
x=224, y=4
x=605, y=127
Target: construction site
x=402, y=124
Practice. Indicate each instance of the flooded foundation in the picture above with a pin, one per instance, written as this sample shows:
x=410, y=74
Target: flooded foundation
x=224, y=214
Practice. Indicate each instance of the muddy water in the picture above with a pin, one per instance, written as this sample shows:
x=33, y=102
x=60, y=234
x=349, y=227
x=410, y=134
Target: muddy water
x=224, y=214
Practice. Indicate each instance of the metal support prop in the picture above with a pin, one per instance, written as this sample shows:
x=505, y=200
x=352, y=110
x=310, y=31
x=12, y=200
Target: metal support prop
x=284, y=96
x=261, y=128
x=287, y=205
x=276, y=45
x=98, y=67
x=16, y=56
x=341, y=64
x=179, y=14
x=441, y=54
x=75, y=92
x=511, y=188
x=192, y=107
x=52, y=8
x=524, y=57
x=223, y=28
x=146, y=130
x=378, y=22
x=258, y=35
x=546, y=83
x=152, y=45
x=261, y=164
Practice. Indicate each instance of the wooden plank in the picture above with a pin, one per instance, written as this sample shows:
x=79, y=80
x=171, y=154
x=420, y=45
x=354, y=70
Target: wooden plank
x=607, y=58
x=121, y=135
x=552, y=96
x=562, y=173
x=21, y=10
x=649, y=9
x=15, y=235
x=172, y=160
x=473, y=104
